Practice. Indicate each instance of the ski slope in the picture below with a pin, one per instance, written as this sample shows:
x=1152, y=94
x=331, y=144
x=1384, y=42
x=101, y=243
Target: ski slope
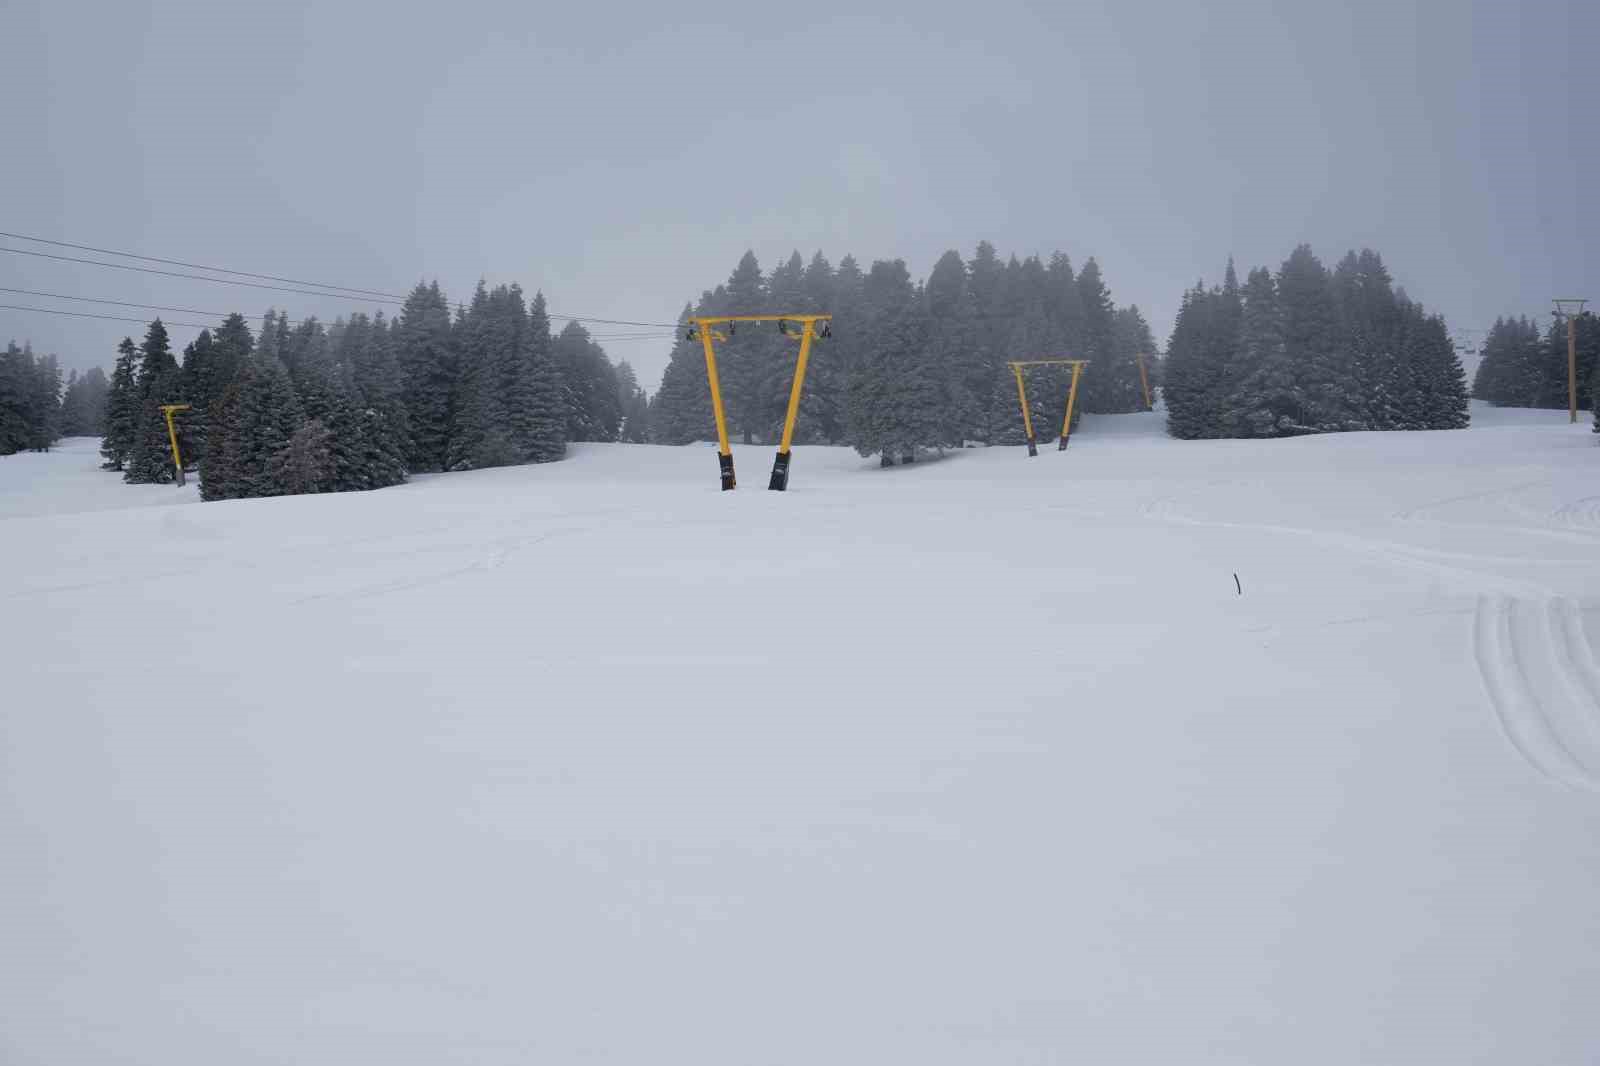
x=980, y=760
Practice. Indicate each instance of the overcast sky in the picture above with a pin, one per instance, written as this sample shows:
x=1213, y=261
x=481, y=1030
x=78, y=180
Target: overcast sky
x=622, y=157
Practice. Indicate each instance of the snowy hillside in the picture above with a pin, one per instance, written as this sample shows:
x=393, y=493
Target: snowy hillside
x=981, y=760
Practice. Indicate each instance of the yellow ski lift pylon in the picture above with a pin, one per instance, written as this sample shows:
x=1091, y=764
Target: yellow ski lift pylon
x=170, y=409
x=1017, y=367
x=705, y=327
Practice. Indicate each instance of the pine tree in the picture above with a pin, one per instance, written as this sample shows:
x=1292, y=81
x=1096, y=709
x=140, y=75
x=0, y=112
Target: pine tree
x=71, y=400
x=478, y=436
x=745, y=361
x=195, y=382
x=1266, y=399
x=1311, y=334
x=429, y=369
x=634, y=405
x=1369, y=326
x=594, y=412
x=30, y=400
x=1444, y=382
x=680, y=410
x=150, y=460
x=896, y=389
x=379, y=387
x=306, y=463
x=1110, y=383
x=44, y=406
x=155, y=360
x=16, y=377
x=954, y=352
x=339, y=437
x=122, y=407
x=254, y=423
x=546, y=439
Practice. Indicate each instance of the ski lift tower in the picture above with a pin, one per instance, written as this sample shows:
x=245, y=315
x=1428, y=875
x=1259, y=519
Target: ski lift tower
x=1570, y=310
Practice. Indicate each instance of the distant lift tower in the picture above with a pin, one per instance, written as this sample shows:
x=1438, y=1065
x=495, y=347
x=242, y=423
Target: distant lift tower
x=170, y=409
x=1144, y=380
x=1570, y=310
x=1018, y=367
x=705, y=328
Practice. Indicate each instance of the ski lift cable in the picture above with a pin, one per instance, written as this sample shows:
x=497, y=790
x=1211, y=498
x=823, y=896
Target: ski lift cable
x=315, y=288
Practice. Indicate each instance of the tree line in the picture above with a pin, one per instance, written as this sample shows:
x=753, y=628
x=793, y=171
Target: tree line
x=365, y=402
x=1521, y=367
x=911, y=364
x=1309, y=350
x=35, y=412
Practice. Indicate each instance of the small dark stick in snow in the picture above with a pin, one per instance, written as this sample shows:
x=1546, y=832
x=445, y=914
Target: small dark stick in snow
x=1238, y=586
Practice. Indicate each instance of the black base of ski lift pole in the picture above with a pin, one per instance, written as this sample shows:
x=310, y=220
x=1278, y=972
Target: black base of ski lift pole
x=726, y=462
x=780, y=472
x=1033, y=446
x=1064, y=438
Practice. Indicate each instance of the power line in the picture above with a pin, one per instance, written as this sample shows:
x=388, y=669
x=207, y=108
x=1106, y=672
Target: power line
x=609, y=338
x=648, y=335
x=118, y=303
x=611, y=321
x=197, y=266
x=346, y=291
x=175, y=274
x=86, y=314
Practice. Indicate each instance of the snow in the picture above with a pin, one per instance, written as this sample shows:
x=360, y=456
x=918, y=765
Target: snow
x=980, y=760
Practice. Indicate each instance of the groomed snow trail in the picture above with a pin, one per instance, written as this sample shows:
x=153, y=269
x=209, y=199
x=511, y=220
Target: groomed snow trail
x=981, y=760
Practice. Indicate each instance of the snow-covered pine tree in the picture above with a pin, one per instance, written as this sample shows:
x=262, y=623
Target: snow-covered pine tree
x=259, y=416
x=428, y=369
x=680, y=410
x=1110, y=383
x=1184, y=394
x=479, y=434
x=546, y=419
x=44, y=404
x=122, y=407
x=380, y=394
x=327, y=400
x=150, y=460
x=746, y=360
x=156, y=360
x=1267, y=400
x=594, y=412
x=194, y=379
x=30, y=400
x=1311, y=334
x=1444, y=382
x=83, y=406
x=895, y=389
x=306, y=463
x=16, y=401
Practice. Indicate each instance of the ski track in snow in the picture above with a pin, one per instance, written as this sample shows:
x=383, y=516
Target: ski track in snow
x=1540, y=675
x=1538, y=668
x=1582, y=514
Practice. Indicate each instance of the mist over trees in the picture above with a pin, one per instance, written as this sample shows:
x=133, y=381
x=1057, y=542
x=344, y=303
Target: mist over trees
x=1521, y=367
x=911, y=364
x=367, y=401
x=30, y=400
x=1309, y=350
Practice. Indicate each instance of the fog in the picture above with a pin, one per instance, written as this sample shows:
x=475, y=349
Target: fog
x=622, y=159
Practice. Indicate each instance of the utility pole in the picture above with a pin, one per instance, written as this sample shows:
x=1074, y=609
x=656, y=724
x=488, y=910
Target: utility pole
x=1570, y=310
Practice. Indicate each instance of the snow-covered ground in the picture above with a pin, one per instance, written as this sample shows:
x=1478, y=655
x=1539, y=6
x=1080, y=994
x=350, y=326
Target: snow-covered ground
x=982, y=760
